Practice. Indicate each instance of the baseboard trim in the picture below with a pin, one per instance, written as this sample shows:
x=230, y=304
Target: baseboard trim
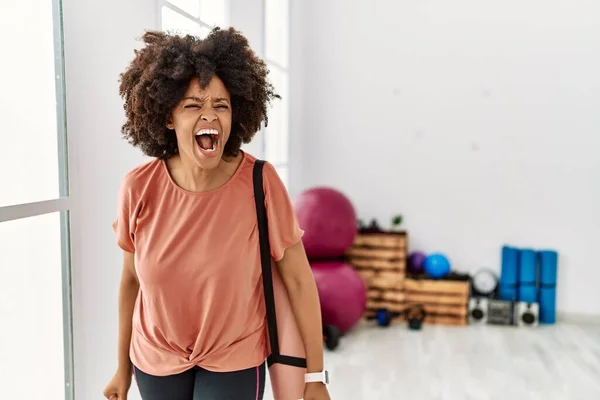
x=578, y=318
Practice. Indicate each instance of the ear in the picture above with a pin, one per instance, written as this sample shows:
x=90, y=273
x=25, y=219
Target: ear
x=169, y=123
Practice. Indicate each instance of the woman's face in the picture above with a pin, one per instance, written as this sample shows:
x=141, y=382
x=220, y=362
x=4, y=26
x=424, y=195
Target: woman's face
x=202, y=123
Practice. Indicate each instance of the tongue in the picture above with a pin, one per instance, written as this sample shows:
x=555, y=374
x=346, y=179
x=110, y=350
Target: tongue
x=205, y=142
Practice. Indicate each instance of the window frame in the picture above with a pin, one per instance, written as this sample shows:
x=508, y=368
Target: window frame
x=63, y=204
x=285, y=72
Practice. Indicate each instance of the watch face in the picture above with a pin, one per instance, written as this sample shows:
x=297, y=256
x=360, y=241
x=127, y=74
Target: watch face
x=327, y=377
x=485, y=282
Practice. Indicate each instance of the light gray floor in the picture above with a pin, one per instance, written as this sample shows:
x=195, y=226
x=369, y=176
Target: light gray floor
x=464, y=363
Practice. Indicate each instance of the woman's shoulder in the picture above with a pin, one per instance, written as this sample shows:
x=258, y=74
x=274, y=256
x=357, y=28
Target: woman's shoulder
x=141, y=175
x=270, y=176
x=269, y=170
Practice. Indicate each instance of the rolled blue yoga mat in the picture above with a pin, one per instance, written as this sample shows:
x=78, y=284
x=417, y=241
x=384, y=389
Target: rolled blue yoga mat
x=547, y=305
x=548, y=270
x=548, y=267
x=528, y=273
x=510, y=265
x=507, y=287
x=507, y=292
x=528, y=294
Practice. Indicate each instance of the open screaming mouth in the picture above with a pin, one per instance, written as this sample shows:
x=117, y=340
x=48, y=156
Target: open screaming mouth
x=207, y=139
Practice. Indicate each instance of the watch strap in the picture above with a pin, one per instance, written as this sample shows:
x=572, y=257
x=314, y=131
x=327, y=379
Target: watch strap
x=322, y=376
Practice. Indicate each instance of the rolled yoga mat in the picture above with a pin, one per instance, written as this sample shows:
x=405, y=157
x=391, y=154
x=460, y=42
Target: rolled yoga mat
x=507, y=287
x=547, y=295
x=527, y=287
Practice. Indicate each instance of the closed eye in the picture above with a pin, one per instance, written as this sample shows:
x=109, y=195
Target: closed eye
x=192, y=106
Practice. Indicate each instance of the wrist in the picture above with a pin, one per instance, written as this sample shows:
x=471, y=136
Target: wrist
x=311, y=369
x=125, y=369
x=315, y=364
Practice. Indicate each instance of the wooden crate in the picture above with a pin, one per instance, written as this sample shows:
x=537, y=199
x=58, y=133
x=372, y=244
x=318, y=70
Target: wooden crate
x=445, y=300
x=380, y=259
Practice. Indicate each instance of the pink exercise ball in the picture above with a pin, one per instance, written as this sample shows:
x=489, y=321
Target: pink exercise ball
x=328, y=220
x=342, y=293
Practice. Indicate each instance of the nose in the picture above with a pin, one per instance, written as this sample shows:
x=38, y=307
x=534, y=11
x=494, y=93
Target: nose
x=208, y=116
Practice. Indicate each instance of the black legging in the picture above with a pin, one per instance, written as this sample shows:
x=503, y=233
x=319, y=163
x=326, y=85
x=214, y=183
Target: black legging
x=200, y=384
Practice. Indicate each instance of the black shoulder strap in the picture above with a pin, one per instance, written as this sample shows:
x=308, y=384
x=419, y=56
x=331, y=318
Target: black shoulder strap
x=267, y=275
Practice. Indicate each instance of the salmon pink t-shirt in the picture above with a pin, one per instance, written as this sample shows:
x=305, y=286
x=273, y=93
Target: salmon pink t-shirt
x=197, y=257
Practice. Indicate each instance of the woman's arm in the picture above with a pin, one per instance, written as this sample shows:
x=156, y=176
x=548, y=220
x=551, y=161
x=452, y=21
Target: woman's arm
x=299, y=281
x=128, y=292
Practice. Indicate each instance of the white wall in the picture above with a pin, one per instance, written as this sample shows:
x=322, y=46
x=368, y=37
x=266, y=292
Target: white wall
x=477, y=120
x=99, y=41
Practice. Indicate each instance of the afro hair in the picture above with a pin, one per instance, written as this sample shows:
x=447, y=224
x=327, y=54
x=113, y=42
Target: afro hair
x=160, y=73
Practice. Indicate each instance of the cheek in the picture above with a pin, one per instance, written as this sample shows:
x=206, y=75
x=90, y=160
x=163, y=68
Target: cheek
x=184, y=124
x=182, y=134
x=226, y=124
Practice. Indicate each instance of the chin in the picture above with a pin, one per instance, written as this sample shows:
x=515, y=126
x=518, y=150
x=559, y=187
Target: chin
x=207, y=162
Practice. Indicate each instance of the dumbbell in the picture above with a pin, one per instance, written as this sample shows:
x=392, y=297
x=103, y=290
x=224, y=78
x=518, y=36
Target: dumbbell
x=415, y=315
x=384, y=317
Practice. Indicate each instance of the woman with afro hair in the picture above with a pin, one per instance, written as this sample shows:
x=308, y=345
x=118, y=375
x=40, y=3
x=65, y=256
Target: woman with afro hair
x=191, y=304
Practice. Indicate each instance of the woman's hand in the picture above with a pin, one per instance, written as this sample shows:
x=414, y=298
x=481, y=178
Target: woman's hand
x=316, y=391
x=118, y=386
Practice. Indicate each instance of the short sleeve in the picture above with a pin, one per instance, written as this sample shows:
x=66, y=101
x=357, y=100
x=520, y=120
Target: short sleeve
x=124, y=225
x=284, y=229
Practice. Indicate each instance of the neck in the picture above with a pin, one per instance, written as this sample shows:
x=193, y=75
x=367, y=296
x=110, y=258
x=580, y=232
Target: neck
x=189, y=176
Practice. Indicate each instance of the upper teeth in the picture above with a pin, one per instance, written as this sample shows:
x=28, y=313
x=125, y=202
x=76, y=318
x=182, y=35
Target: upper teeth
x=207, y=132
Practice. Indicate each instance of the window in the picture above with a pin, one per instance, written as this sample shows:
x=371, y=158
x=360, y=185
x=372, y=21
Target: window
x=35, y=294
x=277, y=132
x=195, y=17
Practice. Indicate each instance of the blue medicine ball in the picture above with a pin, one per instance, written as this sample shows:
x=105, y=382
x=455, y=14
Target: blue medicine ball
x=436, y=265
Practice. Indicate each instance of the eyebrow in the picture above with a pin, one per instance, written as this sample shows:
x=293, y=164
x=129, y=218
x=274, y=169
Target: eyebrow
x=198, y=99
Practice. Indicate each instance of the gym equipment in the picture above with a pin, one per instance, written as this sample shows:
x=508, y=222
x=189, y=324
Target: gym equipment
x=331, y=337
x=445, y=301
x=384, y=317
x=415, y=262
x=373, y=227
x=484, y=283
x=507, y=288
x=547, y=295
x=436, y=265
x=527, y=288
x=526, y=314
x=415, y=315
x=478, y=310
x=379, y=257
x=342, y=293
x=328, y=220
